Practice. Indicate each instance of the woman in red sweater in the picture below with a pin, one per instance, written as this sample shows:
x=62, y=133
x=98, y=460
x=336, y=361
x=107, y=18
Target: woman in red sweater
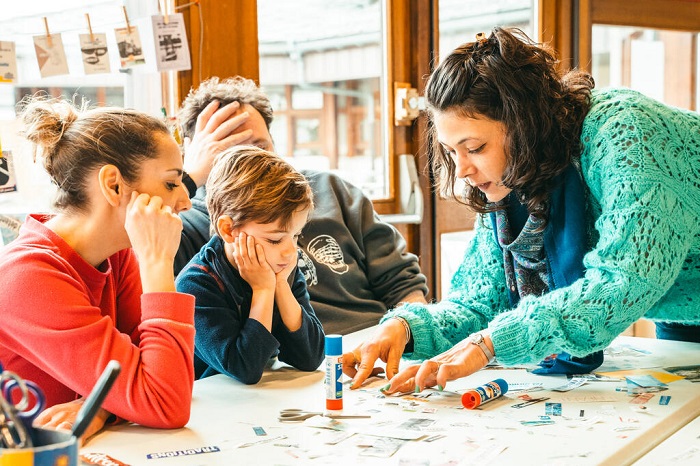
x=94, y=281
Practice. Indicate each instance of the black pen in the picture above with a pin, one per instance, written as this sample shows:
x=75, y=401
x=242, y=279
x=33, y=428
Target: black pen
x=95, y=398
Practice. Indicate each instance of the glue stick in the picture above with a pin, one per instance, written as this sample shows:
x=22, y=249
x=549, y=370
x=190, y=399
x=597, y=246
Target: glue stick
x=334, y=372
x=485, y=393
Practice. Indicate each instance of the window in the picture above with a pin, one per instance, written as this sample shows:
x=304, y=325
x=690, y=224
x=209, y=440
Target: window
x=461, y=20
x=324, y=74
x=662, y=64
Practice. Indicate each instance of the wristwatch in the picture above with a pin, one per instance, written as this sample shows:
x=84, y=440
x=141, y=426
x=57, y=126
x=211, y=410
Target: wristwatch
x=478, y=340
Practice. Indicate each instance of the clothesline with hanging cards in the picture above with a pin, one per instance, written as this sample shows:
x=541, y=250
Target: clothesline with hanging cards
x=159, y=40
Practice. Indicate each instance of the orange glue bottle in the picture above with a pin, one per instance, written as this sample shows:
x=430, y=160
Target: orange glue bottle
x=333, y=380
x=490, y=391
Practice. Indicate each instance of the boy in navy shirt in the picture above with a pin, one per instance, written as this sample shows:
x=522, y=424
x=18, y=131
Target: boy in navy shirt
x=251, y=299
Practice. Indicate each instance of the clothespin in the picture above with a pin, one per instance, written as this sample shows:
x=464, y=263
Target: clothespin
x=92, y=36
x=49, y=42
x=126, y=17
x=163, y=7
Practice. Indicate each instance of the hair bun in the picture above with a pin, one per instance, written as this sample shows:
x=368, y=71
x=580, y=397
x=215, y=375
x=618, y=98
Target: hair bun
x=45, y=121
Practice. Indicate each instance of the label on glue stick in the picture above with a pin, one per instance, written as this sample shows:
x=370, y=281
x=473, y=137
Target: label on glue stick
x=485, y=393
x=333, y=380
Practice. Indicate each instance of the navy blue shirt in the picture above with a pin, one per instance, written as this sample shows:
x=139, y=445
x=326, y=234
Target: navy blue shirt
x=230, y=343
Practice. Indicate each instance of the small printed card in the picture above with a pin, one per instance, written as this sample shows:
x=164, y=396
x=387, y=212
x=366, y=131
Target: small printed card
x=130, y=48
x=7, y=173
x=94, y=51
x=50, y=55
x=8, y=62
x=170, y=39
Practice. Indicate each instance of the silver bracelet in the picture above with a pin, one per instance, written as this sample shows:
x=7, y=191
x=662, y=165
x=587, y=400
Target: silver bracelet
x=406, y=327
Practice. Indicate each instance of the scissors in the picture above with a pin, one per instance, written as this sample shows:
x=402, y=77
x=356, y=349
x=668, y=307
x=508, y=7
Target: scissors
x=298, y=415
x=16, y=418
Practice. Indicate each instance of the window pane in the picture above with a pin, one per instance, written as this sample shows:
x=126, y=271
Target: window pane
x=461, y=20
x=659, y=63
x=306, y=130
x=307, y=98
x=325, y=71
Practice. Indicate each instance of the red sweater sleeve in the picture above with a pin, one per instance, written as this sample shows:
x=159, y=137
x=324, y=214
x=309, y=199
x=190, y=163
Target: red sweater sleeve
x=62, y=323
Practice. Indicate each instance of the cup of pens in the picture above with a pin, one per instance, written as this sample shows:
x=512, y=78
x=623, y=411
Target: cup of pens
x=50, y=447
x=23, y=444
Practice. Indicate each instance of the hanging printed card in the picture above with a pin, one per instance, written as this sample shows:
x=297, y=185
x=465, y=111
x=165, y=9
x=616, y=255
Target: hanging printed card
x=50, y=55
x=8, y=62
x=172, y=51
x=130, y=49
x=94, y=52
x=7, y=173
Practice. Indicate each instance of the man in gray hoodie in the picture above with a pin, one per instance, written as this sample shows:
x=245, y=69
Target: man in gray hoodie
x=356, y=266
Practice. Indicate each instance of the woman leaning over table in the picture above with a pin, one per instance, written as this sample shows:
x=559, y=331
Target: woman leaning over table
x=589, y=205
x=94, y=281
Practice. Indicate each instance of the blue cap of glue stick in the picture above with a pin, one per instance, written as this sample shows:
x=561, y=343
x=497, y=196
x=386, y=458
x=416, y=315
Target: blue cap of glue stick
x=334, y=345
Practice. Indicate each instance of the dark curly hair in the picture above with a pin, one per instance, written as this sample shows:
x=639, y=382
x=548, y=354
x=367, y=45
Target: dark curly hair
x=511, y=79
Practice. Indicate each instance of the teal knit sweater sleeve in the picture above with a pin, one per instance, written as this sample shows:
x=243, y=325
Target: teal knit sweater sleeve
x=641, y=163
x=477, y=293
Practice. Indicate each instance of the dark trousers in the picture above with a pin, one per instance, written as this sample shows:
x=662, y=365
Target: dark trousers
x=680, y=332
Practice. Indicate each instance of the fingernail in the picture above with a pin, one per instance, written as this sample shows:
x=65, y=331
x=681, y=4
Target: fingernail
x=417, y=390
x=440, y=388
x=385, y=387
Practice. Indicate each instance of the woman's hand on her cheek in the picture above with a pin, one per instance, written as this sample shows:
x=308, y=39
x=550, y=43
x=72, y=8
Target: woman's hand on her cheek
x=153, y=229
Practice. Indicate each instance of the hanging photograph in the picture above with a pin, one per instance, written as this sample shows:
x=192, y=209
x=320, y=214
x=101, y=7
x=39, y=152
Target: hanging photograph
x=170, y=38
x=7, y=173
x=130, y=48
x=8, y=62
x=50, y=55
x=94, y=53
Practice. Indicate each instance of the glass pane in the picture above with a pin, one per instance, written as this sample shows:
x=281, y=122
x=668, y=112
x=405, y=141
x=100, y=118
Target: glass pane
x=279, y=129
x=306, y=130
x=307, y=98
x=461, y=20
x=659, y=63
x=326, y=72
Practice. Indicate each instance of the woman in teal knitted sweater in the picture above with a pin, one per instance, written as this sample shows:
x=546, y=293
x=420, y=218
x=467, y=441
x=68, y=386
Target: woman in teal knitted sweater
x=588, y=209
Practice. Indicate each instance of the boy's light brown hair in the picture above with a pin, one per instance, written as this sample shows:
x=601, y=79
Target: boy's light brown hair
x=251, y=184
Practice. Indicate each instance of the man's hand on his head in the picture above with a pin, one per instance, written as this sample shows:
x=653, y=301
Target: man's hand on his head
x=215, y=131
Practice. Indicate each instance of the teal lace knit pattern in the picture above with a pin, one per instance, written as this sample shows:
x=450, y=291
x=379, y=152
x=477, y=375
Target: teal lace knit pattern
x=641, y=163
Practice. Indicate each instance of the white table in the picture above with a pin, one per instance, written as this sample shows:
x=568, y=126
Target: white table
x=681, y=448
x=609, y=431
